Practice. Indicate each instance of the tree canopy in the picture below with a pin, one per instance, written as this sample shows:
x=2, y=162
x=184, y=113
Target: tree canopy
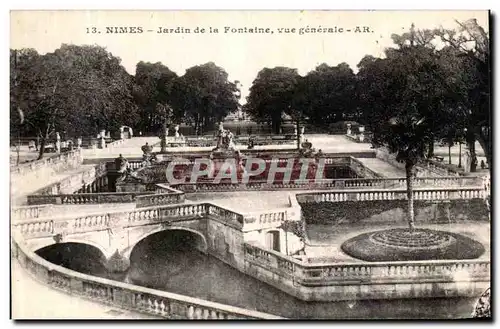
x=75, y=90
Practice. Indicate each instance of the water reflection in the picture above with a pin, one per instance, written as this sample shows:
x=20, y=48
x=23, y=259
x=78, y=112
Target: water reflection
x=168, y=261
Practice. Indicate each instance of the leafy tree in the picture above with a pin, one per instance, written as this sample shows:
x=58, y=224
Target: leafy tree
x=272, y=95
x=152, y=92
x=470, y=43
x=405, y=88
x=205, y=95
x=331, y=94
x=77, y=89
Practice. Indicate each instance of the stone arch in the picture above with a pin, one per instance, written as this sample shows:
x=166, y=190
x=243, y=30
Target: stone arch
x=203, y=247
x=73, y=257
x=49, y=242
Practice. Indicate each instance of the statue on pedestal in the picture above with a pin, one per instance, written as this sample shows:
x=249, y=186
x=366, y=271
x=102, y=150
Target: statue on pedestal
x=147, y=155
x=361, y=133
x=177, y=131
x=102, y=142
x=121, y=164
x=146, y=149
x=467, y=160
x=225, y=141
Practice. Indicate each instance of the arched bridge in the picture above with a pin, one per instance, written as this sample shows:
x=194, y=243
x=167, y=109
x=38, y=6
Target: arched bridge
x=218, y=231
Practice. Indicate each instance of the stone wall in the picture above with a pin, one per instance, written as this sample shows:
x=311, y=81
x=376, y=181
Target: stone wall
x=288, y=241
x=438, y=211
x=28, y=176
x=362, y=171
x=225, y=243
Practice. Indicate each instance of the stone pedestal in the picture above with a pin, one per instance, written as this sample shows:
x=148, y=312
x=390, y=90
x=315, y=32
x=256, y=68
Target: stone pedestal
x=361, y=133
x=102, y=143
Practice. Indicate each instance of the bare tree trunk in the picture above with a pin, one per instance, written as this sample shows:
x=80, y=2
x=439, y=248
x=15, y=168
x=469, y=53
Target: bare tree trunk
x=163, y=143
x=42, y=148
x=430, y=151
x=449, y=153
x=297, y=125
x=485, y=143
x=409, y=192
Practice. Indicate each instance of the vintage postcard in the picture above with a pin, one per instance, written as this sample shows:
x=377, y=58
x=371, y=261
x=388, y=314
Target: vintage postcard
x=272, y=165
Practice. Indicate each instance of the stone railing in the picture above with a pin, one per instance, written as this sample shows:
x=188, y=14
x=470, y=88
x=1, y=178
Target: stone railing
x=227, y=216
x=63, y=161
x=135, y=164
x=185, y=211
x=427, y=168
x=159, y=199
x=115, y=143
x=327, y=184
x=44, y=227
x=86, y=198
x=75, y=182
x=127, y=296
x=265, y=219
x=395, y=194
x=361, y=170
x=361, y=273
x=31, y=212
x=161, y=195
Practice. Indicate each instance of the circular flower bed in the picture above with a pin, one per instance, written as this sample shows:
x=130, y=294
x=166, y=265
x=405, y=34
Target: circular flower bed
x=401, y=244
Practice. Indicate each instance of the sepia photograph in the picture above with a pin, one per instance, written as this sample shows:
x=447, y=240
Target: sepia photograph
x=250, y=165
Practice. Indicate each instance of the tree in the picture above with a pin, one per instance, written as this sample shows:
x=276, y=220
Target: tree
x=205, y=95
x=331, y=94
x=272, y=95
x=78, y=89
x=166, y=113
x=295, y=227
x=471, y=45
x=152, y=92
x=405, y=88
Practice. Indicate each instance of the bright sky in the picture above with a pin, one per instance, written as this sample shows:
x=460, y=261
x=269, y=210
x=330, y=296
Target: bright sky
x=241, y=55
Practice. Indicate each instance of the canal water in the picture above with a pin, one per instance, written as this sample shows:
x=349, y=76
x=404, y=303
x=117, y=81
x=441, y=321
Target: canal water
x=167, y=261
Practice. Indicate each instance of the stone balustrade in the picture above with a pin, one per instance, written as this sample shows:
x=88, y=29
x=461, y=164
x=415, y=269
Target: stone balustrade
x=311, y=274
x=59, y=162
x=86, y=198
x=428, y=167
x=127, y=296
x=265, y=219
x=36, y=173
x=394, y=194
x=45, y=227
x=135, y=164
x=159, y=194
x=353, y=183
x=232, y=218
x=88, y=181
x=158, y=199
x=31, y=212
x=400, y=272
x=115, y=143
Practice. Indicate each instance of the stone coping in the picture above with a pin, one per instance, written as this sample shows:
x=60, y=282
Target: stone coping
x=231, y=312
